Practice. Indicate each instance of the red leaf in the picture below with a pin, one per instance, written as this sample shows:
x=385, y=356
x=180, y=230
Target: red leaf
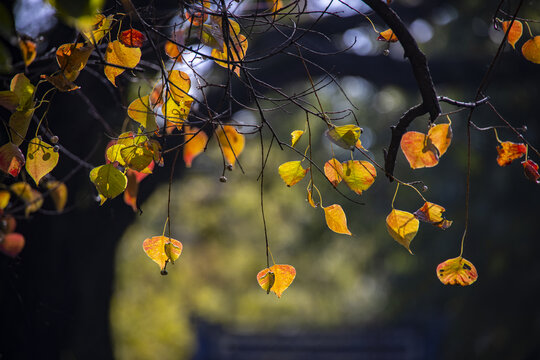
x=531, y=171
x=509, y=151
x=132, y=38
x=12, y=244
x=11, y=159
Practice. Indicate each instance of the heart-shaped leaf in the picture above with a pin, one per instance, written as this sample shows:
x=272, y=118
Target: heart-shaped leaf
x=457, y=271
x=283, y=276
x=402, y=226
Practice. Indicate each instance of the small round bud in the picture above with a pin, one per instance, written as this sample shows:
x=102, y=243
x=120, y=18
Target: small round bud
x=386, y=52
x=425, y=188
x=54, y=139
x=56, y=148
x=524, y=128
x=39, y=137
x=223, y=179
x=229, y=167
x=164, y=272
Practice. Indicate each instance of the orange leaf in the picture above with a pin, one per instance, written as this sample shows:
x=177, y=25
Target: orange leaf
x=310, y=198
x=132, y=189
x=72, y=58
x=231, y=142
x=173, y=50
x=531, y=171
x=179, y=85
x=162, y=249
x=432, y=213
x=132, y=38
x=419, y=150
x=336, y=219
x=119, y=54
x=59, y=194
x=531, y=50
x=231, y=54
x=441, y=137
x=11, y=159
x=515, y=32
x=509, y=151
x=387, y=35
x=358, y=175
x=333, y=171
x=292, y=172
x=12, y=244
x=195, y=142
x=28, y=51
x=457, y=271
x=61, y=82
x=402, y=226
x=283, y=276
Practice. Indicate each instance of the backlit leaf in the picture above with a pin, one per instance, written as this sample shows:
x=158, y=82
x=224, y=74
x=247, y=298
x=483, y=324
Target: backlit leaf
x=295, y=136
x=344, y=136
x=12, y=244
x=119, y=54
x=72, y=58
x=509, y=151
x=59, y=194
x=333, y=171
x=358, y=175
x=441, y=137
x=5, y=196
x=173, y=50
x=419, y=150
x=531, y=50
x=132, y=38
x=18, y=125
x=231, y=142
x=109, y=181
x=24, y=90
x=179, y=85
x=310, y=198
x=113, y=154
x=432, y=213
x=336, y=219
x=61, y=82
x=195, y=143
x=31, y=197
x=515, y=31
x=531, y=171
x=139, y=110
x=387, y=35
x=154, y=247
x=28, y=51
x=402, y=226
x=232, y=53
x=292, y=172
x=41, y=159
x=11, y=159
x=132, y=189
x=177, y=113
x=457, y=271
x=99, y=27
x=283, y=278
x=137, y=157
x=9, y=100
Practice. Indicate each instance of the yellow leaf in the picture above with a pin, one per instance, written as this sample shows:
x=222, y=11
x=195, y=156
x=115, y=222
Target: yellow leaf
x=176, y=113
x=515, y=32
x=333, y=171
x=24, y=90
x=139, y=110
x=28, y=51
x=310, y=199
x=387, y=35
x=31, y=197
x=336, y=219
x=232, y=54
x=162, y=249
x=344, y=136
x=179, y=85
x=402, y=226
x=109, y=181
x=99, y=27
x=137, y=157
x=358, y=175
x=11, y=159
x=72, y=58
x=41, y=159
x=433, y=214
x=113, y=154
x=292, y=172
x=59, y=194
x=4, y=199
x=283, y=276
x=295, y=136
x=457, y=271
x=195, y=141
x=531, y=50
x=231, y=143
x=61, y=82
x=118, y=54
x=441, y=137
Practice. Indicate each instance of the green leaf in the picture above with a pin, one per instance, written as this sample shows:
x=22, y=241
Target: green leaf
x=109, y=181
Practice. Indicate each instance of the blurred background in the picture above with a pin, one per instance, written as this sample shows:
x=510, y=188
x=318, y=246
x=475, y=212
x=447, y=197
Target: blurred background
x=83, y=288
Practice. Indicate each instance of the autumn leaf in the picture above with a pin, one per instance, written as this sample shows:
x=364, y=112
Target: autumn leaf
x=358, y=175
x=61, y=82
x=531, y=171
x=132, y=38
x=440, y=136
x=137, y=157
x=231, y=142
x=283, y=276
x=295, y=136
x=132, y=189
x=5, y=196
x=139, y=110
x=515, y=31
x=310, y=199
x=457, y=271
x=387, y=35
x=155, y=248
x=432, y=214
x=119, y=54
x=9, y=100
x=41, y=159
x=425, y=150
x=176, y=113
x=113, y=154
x=194, y=143
x=509, y=151
x=197, y=18
x=292, y=172
x=344, y=136
x=531, y=50
x=99, y=27
x=336, y=219
x=24, y=90
x=179, y=85
x=11, y=159
x=32, y=198
x=72, y=58
x=171, y=48
x=28, y=51
x=109, y=181
x=333, y=170
x=12, y=244
x=59, y=194
x=402, y=226
x=19, y=122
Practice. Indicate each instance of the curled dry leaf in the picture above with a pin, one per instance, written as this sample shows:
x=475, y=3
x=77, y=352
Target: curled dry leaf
x=457, y=271
x=132, y=38
x=162, y=250
x=333, y=170
x=344, y=136
x=508, y=151
x=531, y=50
x=119, y=54
x=231, y=143
x=28, y=51
x=387, y=35
x=515, y=31
x=283, y=276
x=310, y=199
x=336, y=220
x=295, y=136
x=195, y=142
x=432, y=214
x=292, y=172
x=531, y=171
x=41, y=159
x=358, y=175
x=402, y=226
x=11, y=159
